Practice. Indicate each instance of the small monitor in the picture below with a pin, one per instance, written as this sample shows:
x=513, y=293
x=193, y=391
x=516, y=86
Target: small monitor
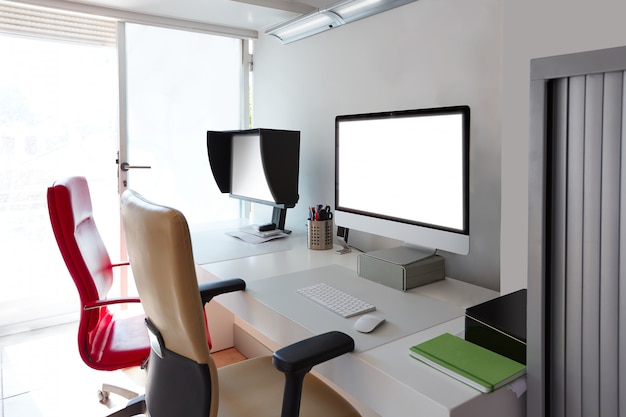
x=248, y=181
x=405, y=175
x=257, y=165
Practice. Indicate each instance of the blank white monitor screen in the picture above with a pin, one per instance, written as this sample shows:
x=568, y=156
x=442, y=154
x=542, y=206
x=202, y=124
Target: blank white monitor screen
x=398, y=170
x=248, y=179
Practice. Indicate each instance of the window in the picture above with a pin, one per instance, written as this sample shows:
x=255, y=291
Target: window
x=58, y=117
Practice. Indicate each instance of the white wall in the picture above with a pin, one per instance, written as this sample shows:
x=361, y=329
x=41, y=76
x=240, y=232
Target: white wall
x=429, y=53
x=533, y=29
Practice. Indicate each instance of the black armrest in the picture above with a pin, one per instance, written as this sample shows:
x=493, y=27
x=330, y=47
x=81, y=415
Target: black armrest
x=211, y=289
x=304, y=355
x=296, y=360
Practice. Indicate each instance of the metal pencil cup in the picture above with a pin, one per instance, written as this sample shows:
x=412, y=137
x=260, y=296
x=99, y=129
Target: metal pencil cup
x=320, y=234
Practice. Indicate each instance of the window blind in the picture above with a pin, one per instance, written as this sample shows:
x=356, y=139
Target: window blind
x=56, y=24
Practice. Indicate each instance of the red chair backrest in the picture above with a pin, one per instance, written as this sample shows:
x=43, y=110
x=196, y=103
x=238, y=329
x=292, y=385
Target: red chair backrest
x=82, y=248
x=81, y=245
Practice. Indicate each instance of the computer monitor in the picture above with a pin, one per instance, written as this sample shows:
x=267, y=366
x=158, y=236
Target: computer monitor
x=405, y=175
x=257, y=165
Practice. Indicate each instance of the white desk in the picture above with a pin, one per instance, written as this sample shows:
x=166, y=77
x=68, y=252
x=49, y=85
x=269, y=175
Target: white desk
x=384, y=379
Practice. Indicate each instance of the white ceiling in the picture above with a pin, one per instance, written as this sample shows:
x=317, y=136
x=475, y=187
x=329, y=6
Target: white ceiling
x=244, y=14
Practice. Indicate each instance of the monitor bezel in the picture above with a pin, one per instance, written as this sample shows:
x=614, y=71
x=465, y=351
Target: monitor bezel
x=413, y=233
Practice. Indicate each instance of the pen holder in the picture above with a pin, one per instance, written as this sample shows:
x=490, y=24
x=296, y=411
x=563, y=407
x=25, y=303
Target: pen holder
x=320, y=234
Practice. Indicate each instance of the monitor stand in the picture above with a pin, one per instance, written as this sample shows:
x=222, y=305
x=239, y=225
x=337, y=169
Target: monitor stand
x=278, y=218
x=342, y=236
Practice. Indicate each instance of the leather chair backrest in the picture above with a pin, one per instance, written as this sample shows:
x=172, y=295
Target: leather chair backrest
x=85, y=255
x=159, y=249
x=80, y=243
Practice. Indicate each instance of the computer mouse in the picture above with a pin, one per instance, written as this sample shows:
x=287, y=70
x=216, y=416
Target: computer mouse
x=368, y=323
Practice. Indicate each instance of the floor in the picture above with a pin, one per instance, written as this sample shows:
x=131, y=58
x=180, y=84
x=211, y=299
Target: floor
x=42, y=375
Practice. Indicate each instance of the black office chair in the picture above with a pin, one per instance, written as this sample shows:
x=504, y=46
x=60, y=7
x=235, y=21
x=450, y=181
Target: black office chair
x=182, y=377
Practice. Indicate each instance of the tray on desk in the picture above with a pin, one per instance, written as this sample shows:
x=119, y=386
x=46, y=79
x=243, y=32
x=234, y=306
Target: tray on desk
x=405, y=312
x=216, y=246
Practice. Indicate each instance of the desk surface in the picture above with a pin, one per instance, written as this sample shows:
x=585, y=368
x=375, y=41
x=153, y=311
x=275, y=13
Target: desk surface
x=381, y=375
x=404, y=313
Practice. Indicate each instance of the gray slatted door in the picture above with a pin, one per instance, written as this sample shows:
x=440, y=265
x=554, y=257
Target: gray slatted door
x=577, y=345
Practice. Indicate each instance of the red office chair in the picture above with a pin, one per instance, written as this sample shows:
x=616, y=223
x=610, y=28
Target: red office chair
x=107, y=340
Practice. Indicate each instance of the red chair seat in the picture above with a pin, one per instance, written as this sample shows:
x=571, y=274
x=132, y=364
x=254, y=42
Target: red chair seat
x=120, y=343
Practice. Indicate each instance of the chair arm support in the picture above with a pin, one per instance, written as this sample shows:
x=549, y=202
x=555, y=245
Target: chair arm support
x=212, y=289
x=303, y=355
x=297, y=359
x=110, y=301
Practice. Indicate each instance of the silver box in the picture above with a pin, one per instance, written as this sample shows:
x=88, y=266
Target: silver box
x=401, y=268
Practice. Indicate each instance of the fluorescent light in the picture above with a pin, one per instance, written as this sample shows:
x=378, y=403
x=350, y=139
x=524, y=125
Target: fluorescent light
x=336, y=15
x=303, y=26
x=355, y=7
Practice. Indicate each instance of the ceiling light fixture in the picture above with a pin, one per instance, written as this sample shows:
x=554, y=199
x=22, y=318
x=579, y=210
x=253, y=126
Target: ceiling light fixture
x=336, y=15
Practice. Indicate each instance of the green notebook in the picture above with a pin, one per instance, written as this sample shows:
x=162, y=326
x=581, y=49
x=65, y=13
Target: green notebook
x=472, y=364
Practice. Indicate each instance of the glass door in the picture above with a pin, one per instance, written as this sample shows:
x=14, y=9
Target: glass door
x=178, y=85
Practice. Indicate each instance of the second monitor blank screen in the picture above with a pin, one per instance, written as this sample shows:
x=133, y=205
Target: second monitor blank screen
x=247, y=176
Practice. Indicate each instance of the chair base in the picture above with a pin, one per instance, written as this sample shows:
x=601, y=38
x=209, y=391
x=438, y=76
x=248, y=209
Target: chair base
x=135, y=407
x=103, y=394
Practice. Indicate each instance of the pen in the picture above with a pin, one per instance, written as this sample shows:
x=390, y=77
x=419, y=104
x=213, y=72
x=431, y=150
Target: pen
x=319, y=212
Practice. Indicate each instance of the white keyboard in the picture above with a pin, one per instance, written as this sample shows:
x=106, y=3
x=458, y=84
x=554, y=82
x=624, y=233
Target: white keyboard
x=336, y=300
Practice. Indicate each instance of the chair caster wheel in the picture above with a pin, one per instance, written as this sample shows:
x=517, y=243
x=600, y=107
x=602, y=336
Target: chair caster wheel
x=103, y=396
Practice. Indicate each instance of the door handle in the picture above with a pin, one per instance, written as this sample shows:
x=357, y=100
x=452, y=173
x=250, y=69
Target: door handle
x=125, y=166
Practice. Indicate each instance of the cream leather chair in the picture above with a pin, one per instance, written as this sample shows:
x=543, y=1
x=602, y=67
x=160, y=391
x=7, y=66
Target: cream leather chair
x=182, y=377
